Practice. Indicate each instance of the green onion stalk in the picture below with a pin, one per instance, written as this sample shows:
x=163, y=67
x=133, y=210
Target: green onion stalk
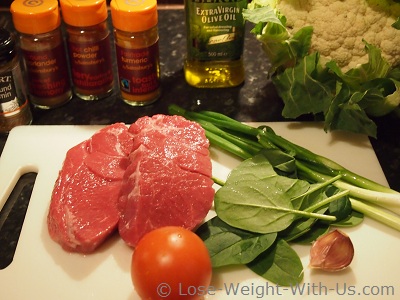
x=374, y=200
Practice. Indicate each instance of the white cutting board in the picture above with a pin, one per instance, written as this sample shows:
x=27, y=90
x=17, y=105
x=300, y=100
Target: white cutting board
x=42, y=270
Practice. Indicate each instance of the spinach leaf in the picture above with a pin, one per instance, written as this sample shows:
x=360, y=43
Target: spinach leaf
x=256, y=206
x=231, y=246
x=318, y=229
x=340, y=208
x=257, y=199
x=259, y=168
x=312, y=198
x=280, y=264
x=299, y=228
x=283, y=163
x=355, y=218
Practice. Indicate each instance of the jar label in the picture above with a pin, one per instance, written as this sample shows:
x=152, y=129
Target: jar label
x=91, y=64
x=9, y=101
x=47, y=72
x=215, y=29
x=138, y=69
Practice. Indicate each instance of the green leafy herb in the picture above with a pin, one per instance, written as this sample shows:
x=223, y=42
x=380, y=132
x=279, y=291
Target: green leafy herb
x=281, y=193
x=280, y=264
x=318, y=229
x=340, y=208
x=257, y=199
x=300, y=228
x=355, y=218
x=310, y=166
x=228, y=245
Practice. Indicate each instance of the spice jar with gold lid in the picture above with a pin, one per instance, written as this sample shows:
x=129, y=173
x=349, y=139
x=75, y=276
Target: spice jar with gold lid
x=41, y=41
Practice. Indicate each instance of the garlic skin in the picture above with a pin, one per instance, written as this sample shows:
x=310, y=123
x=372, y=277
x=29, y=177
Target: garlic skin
x=333, y=251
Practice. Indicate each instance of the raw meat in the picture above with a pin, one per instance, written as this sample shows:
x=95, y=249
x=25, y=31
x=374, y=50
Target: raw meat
x=168, y=180
x=83, y=210
x=156, y=173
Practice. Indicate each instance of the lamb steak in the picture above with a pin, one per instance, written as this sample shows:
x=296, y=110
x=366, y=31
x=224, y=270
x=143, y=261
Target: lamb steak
x=83, y=209
x=154, y=173
x=168, y=180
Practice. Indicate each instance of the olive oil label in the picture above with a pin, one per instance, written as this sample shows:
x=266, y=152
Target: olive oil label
x=47, y=71
x=138, y=69
x=91, y=64
x=215, y=29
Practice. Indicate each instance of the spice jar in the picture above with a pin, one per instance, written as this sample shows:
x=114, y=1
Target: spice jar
x=137, y=52
x=14, y=106
x=42, y=44
x=88, y=39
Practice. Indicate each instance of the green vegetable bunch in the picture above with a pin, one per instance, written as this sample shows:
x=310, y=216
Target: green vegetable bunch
x=315, y=77
x=281, y=193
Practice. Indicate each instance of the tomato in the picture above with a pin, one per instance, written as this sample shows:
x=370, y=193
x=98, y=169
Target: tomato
x=171, y=263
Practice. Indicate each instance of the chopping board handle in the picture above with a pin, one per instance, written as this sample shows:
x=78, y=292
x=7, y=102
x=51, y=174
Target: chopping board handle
x=14, y=162
x=10, y=173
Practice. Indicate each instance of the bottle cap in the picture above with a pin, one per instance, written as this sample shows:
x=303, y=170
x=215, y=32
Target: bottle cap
x=7, y=46
x=134, y=15
x=35, y=17
x=82, y=13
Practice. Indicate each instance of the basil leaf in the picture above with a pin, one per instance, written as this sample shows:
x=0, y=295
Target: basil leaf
x=231, y=246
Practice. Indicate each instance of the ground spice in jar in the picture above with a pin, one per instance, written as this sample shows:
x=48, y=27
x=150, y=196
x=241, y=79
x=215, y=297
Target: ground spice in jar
x=137, y=52
x=14, y=106
x=88, y=39
x=42, y=44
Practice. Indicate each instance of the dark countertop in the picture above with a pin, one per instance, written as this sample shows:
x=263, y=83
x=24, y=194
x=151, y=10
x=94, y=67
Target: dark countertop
x=255, y=100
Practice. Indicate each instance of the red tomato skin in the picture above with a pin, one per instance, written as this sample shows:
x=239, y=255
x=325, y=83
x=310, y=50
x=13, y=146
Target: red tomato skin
x=171, y=263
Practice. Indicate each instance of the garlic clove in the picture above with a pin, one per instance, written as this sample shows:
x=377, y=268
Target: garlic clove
x=333, y=251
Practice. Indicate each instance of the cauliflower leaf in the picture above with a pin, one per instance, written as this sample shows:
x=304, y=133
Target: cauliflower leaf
x=396, y=24
x=282, y=47
x=311, y=82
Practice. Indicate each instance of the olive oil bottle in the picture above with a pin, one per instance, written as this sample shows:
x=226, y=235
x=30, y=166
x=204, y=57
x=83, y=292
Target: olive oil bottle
x=215, y=38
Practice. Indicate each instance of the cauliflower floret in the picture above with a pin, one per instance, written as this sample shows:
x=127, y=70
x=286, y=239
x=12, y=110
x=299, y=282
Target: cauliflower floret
x=340, y=26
